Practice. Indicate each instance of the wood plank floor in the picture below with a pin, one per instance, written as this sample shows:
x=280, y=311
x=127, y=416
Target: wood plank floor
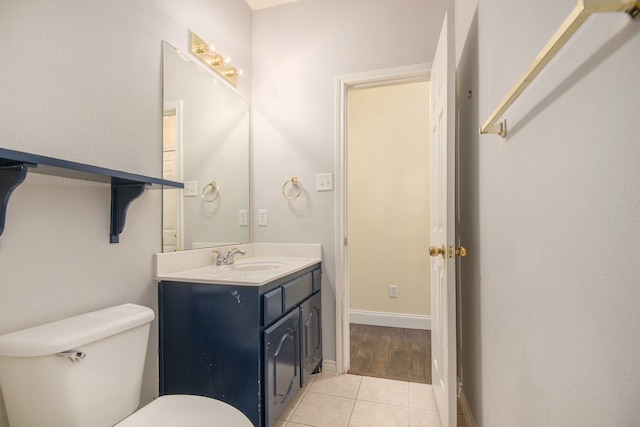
x=392, y=353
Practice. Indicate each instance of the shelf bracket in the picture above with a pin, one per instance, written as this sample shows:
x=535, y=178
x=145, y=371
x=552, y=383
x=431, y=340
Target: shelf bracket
x=11, y=177
x=122, y=194
x=496, y=129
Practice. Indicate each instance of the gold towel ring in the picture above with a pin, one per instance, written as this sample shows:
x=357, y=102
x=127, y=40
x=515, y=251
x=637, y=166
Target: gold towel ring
x=295, y=183
x=214, y=189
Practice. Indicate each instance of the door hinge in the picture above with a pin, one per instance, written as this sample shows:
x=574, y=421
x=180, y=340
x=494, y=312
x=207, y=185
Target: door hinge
x=345, y=241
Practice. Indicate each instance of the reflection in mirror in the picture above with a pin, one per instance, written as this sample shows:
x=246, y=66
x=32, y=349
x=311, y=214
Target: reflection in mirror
x=206, y=146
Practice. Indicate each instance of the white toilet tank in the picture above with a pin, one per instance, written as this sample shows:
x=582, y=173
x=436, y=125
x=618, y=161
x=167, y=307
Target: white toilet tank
x=43, y=385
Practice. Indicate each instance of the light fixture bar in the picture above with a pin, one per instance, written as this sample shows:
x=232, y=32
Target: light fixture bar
x=212, y=59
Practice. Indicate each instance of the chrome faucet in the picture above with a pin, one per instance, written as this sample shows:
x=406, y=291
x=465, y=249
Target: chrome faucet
x=232, y=253
x=227, y=259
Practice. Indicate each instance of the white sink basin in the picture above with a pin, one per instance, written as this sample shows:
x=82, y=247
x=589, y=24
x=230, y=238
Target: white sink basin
x=257, y=265
x=250, y=270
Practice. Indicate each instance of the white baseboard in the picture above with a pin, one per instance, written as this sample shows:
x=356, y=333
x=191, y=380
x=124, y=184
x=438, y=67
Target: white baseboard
x=329, y=366
x=467, y=410
x=409, y=321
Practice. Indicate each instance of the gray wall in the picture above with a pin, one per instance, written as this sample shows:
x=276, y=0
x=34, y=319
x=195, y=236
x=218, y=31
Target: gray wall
x=299, y=49
x=551, y=286
x=83, y=81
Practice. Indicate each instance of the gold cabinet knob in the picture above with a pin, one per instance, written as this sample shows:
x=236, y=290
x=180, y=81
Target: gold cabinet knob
x=434, y=251
x=462, y=251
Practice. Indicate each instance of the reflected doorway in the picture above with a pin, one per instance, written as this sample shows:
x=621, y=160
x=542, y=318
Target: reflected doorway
x=172, y=209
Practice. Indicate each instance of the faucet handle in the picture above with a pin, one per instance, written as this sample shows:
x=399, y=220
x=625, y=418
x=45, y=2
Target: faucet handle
x=219, y=256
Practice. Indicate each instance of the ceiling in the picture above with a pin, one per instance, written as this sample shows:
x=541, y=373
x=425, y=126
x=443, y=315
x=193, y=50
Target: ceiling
x=263, y=4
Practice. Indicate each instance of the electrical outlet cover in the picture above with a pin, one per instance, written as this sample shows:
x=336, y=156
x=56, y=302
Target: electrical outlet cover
x=243, y=218
x=262, y=217
x=393, y=291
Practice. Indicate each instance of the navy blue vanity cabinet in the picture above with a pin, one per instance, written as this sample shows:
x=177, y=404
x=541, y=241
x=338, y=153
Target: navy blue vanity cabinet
x=244, y=345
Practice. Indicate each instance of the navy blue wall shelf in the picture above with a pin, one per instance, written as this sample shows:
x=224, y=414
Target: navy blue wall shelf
x=125, y=187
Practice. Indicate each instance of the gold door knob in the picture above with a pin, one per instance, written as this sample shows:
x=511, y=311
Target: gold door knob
x=462, y=251
x=434, y=251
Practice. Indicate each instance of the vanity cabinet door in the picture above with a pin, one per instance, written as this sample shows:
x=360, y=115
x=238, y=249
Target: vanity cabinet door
x=282, y=365
x=311, y=336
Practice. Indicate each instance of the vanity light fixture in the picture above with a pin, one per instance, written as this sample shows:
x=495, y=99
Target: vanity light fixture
x=206, y=53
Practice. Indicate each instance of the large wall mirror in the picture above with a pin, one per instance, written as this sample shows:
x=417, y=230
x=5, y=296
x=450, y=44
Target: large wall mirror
x=206, y=146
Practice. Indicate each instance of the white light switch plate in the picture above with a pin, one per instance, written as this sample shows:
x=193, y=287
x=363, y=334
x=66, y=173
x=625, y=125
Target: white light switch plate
x=324, y=182
x=190, y=188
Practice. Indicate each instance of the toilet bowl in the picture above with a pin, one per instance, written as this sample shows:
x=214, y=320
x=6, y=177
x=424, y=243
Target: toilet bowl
x=190, y=411
x=86, y=371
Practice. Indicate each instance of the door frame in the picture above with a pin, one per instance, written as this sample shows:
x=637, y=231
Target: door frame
x=397, y=75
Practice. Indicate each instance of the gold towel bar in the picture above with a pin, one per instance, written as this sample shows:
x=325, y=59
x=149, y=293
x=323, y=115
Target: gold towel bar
x=577, y=17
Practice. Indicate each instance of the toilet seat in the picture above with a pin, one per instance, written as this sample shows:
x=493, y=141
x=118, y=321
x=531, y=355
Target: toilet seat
x=177, y=410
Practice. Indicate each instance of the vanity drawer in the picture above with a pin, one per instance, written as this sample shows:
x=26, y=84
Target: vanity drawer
x=272, y=305
x=297, y=290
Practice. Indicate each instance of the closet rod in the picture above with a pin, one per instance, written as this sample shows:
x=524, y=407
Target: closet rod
x=577, y=17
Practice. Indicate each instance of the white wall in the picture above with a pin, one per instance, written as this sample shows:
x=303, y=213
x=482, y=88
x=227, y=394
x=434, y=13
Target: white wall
x=83, y=81
x=299, y=50
x=389, y=198
x=550, y=288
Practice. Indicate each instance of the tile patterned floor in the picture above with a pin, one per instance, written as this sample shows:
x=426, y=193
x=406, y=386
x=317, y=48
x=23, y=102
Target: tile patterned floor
x=331, y=400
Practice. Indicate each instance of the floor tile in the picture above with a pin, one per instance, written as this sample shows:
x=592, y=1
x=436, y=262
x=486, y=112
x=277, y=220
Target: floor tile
x=373, y=414
x=384, y=391
x=286, y=414
x=310, y=381
x=328, y=400
x=337, y=385
x=320, y=410
x=423, y=418
x=421, y=396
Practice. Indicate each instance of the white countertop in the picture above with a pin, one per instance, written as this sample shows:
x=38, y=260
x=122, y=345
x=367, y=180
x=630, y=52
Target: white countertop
x=263, y=263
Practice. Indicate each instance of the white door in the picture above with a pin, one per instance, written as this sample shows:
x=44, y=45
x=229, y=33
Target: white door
x=443, y=294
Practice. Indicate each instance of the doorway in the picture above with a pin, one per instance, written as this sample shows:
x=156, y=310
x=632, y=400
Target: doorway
x=376, y=201
x=388, y=196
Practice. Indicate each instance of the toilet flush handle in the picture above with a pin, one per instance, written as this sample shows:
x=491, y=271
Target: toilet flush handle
x=73, y=355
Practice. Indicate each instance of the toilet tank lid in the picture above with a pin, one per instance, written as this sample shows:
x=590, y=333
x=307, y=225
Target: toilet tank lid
x=70, y=333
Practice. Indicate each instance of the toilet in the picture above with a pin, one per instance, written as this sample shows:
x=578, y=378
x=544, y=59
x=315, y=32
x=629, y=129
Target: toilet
x=86, y=371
